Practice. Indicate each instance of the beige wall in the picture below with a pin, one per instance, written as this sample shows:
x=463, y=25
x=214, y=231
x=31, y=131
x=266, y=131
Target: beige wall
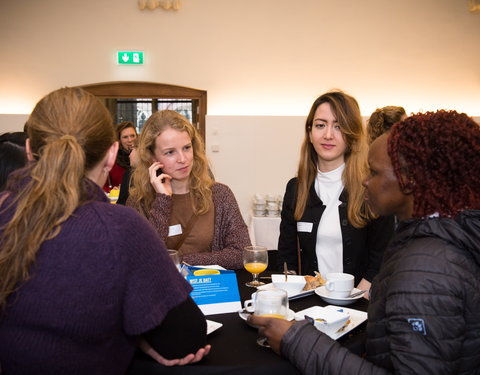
x=262, y=63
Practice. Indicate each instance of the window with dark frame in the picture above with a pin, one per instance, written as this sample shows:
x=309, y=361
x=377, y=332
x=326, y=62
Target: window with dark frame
x=137, y=100
x=140, y=109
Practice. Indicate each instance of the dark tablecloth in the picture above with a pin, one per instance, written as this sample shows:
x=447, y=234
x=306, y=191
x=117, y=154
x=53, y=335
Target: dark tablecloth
x=234, y=349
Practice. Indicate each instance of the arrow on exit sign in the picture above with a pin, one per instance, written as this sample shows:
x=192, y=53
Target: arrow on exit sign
x=130, y=57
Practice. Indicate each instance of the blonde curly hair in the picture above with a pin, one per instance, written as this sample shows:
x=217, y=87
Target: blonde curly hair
x=200, y=180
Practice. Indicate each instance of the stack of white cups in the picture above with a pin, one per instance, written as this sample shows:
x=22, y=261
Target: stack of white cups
x=267, y=205
x=272, y=205
x=259, y=205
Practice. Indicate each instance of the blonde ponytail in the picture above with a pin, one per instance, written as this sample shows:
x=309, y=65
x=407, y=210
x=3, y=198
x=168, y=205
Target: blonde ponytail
x=56, y=184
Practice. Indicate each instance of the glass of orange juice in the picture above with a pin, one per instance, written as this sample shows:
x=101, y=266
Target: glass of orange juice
x=271, y=303
x=255, y=261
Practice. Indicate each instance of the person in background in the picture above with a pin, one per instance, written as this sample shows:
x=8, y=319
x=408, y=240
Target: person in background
x=423, y=315
x=127, y=176
x=80, y=286
x=382, y=120
x=12, y=154
x=174, y=190
x=126, y=135
x=324, y=206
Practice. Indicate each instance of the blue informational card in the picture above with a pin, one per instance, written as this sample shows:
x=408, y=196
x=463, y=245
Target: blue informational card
x=214, y=294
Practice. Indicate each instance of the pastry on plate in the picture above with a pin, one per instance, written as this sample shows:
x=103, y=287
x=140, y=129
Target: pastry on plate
x=313, y=282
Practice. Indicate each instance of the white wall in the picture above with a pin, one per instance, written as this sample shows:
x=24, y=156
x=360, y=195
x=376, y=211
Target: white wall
x=257, y=154
x=262, y=63
x=12, y=123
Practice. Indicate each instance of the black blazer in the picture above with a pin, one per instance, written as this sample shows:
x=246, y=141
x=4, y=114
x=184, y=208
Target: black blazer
x=362, y=247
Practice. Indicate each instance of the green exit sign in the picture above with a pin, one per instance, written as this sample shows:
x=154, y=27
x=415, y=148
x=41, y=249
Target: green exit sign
x=130, y=57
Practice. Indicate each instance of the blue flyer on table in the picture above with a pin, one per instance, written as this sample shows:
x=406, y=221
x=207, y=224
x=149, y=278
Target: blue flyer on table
x=214, y=291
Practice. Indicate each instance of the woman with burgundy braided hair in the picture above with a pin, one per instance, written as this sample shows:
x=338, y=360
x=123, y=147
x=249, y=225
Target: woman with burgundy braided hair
x=441, y=161
x=423, y=316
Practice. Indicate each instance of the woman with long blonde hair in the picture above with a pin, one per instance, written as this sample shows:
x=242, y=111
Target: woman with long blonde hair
x=173, y=188
x=79, y=283
x=326, y=224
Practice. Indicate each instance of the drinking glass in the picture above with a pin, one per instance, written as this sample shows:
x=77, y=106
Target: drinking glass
x=271, y=303
x=175, y=257
x=255, y=261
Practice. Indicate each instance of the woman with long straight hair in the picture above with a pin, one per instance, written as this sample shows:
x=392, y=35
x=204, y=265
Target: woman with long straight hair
x=174, y=189
x=324, y=213
x=80, y=284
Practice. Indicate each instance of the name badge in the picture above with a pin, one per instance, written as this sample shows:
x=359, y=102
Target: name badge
x=174, y=230
x=304, y=227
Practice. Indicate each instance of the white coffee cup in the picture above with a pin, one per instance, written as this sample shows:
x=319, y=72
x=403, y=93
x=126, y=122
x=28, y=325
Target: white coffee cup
x=339, y=285
x=250, y=304
x=271, y=302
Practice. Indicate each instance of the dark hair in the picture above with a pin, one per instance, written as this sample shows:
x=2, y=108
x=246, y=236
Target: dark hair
x=12, y=155
x=124, y=125
x=436, y=157
x=382, y=120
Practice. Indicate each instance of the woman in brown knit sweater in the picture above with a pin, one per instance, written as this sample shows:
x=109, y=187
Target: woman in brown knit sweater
x=174, y=190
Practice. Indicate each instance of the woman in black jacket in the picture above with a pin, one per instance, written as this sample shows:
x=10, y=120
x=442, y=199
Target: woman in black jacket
x=424, y=311
x=324, y=206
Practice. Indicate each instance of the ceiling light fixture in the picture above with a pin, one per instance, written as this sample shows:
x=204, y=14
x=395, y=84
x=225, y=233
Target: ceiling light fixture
x=474, y=6
x=164, y=4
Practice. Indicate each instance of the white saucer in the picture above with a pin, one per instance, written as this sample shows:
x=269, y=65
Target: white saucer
x=244, y=314
x=322, y=292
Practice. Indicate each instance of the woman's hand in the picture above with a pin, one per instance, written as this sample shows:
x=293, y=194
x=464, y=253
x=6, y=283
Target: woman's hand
x=272, y=328
x=190, y=358
x=160, y=183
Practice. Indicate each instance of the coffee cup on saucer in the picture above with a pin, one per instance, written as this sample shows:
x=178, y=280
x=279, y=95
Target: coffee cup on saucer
x=249, y=304
x=339, y=285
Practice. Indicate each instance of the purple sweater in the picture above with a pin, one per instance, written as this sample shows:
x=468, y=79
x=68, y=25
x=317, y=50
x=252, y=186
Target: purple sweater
x=230, y=234
x=103, y=280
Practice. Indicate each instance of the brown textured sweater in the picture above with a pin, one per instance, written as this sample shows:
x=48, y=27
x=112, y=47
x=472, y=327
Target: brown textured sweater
x=230, y=233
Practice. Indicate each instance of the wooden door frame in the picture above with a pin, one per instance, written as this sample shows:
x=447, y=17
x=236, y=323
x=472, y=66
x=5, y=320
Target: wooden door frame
x=139, y=89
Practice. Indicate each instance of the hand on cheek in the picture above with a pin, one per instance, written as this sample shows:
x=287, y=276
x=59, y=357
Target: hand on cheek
x=160, y=181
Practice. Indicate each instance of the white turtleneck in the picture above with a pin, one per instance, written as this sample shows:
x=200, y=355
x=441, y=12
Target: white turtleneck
x=329, y=246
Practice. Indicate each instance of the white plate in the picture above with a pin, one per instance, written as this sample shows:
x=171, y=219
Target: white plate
x=300, y=294
x=244, y=314
x=212, y=326
x=357, y=317
x=322, y=292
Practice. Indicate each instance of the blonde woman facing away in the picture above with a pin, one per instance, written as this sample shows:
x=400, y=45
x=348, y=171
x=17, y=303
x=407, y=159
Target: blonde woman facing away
x=173, y=188
x=79, y=285
x=324, y=205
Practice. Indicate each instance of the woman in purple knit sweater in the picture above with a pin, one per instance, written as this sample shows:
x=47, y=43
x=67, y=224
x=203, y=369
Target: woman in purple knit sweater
x=84, y=282
x=173, y=188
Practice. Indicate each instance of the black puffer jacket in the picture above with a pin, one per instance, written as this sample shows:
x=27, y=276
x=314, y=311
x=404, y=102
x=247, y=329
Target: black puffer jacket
x=424, y=314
